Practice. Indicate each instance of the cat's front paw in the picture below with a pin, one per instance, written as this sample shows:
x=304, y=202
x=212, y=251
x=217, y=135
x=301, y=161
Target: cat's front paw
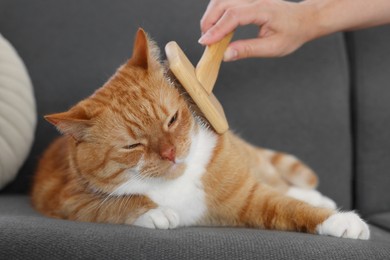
x=346, y=224
x=158, y=218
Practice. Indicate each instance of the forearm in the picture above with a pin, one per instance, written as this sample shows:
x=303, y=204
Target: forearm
x=285, y=26
x=331, y=16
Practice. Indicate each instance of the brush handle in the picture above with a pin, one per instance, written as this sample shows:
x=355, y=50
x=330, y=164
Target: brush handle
x=208, y=66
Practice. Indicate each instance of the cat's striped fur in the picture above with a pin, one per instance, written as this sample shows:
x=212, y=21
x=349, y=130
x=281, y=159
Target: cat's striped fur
x=134, y=153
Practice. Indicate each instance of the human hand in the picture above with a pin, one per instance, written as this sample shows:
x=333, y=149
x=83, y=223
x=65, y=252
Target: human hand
x=283, y=26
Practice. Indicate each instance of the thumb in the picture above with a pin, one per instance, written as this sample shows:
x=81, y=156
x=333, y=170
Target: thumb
x=263, y=47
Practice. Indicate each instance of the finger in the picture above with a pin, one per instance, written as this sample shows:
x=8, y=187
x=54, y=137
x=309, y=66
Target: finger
x=214, y=11
x=263, y=47
x=230, y=20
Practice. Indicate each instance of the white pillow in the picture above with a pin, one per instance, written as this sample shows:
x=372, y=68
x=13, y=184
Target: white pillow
x=17, y=112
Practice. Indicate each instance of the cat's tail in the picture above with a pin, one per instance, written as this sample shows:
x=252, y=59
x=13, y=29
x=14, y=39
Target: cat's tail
x=293, y=170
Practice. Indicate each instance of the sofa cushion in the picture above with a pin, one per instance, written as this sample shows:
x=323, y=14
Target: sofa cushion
x=371, y=83
x=298, y=104
x=381, y=219
x=26, y=234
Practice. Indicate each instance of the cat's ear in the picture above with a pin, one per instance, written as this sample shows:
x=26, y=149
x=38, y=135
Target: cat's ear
x=145, y=53
x=73, y=122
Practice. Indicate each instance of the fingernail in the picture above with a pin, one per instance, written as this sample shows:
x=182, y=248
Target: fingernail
x=230, y=54
x=204, y=38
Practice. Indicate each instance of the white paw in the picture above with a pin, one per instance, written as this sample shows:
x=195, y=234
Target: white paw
x=159, y=218
x=346, y=224
x=312, y=197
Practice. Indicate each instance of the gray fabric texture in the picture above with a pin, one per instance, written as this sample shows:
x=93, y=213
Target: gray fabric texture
x=371, y=66
x=24, y=233
x=298, y=104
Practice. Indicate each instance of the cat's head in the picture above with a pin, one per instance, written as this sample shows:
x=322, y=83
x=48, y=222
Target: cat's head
x=137, y=125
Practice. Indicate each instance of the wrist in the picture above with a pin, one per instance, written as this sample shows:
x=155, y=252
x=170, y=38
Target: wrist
x=315, y=12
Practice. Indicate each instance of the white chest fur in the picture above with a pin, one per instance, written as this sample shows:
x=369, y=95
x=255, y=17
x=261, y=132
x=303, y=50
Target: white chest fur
x=184, y=195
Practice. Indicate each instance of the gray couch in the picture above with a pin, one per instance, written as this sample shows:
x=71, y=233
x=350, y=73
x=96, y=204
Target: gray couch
x=328, y=103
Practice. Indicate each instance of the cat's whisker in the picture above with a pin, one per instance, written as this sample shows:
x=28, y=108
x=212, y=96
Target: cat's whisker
x=126, y=202
x=139, y=177
x=104, y=200
x=122, y=203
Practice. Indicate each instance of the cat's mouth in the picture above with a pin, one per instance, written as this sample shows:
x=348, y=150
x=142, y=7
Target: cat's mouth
x=179, y=161
x=165, y=169
x=175, y=169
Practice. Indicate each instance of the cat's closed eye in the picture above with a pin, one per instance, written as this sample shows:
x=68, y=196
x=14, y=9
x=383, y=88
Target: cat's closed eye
x=173, y=119
x=131, y=146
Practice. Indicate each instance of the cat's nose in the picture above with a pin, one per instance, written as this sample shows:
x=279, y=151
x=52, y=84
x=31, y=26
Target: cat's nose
x=168, y=153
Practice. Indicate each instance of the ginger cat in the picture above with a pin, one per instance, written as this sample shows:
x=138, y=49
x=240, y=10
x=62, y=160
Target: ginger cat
x=134, y=153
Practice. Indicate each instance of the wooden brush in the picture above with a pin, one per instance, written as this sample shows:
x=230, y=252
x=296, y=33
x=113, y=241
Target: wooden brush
x=199, y=82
